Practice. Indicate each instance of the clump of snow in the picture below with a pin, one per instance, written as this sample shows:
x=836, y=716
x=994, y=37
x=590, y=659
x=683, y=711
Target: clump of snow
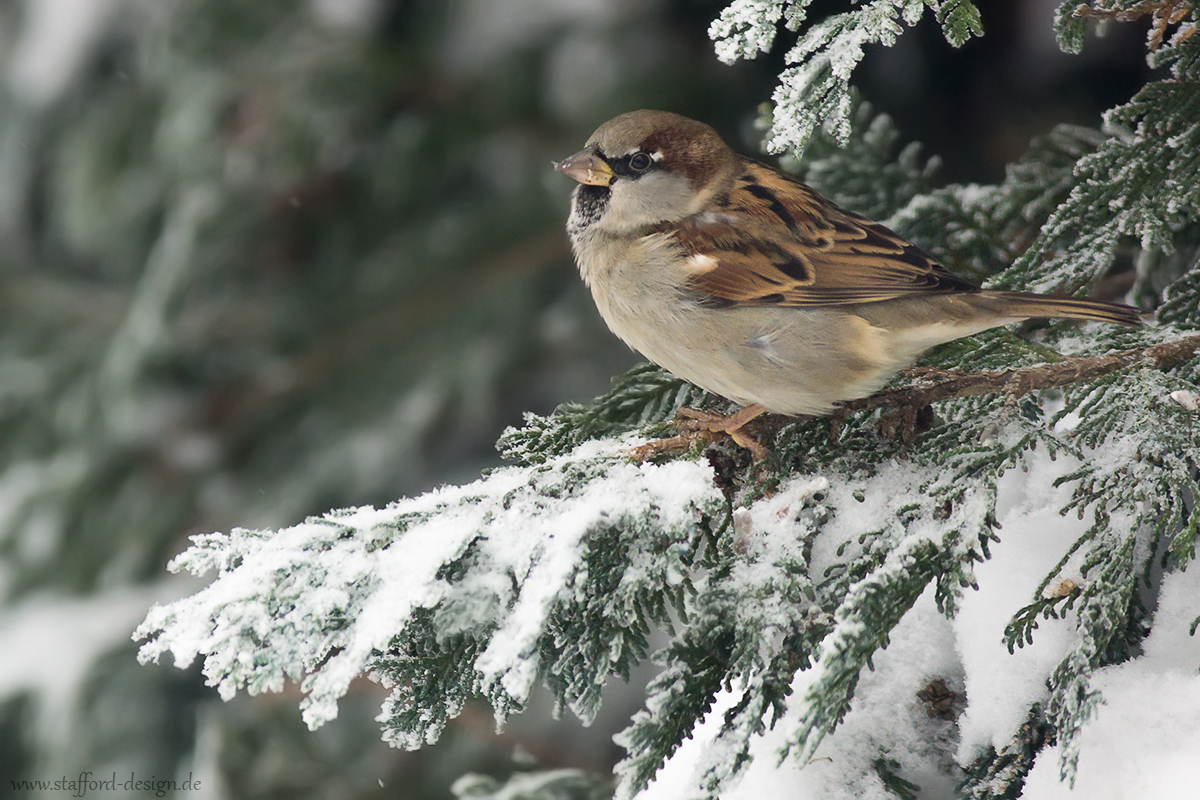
x=321, y=600
x=1142, y=742
x=886, y=714
x=1189, y=401
x=1033, y=537
x=1145, y=738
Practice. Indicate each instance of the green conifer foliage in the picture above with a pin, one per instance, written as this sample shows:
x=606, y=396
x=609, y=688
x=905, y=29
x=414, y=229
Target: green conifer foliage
x=778, y=586
x=259, y=260
x=815, y=93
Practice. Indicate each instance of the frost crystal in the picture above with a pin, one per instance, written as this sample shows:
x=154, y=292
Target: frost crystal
x=815, y=92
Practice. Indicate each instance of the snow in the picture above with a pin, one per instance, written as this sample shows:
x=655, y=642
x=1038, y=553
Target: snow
x=267, y=616
x=746, y=28
x=767, y=527
x=1143, y=743
x=808, y=97
x=1034, y=536
x=1189, y=401
x=55, y=40
x=519, y=537
x=1145, y=739
x=626, y=489
x=885, y=713
x=51, y=644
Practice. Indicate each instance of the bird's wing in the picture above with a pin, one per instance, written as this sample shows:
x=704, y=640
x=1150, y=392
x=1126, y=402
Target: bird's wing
x=786, y=245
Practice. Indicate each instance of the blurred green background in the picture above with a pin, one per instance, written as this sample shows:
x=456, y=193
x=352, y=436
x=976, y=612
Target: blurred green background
x=263, y=259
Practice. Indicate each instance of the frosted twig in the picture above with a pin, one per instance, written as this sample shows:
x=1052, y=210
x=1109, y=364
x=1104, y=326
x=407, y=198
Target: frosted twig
x=1164, y=13
x=931, y=385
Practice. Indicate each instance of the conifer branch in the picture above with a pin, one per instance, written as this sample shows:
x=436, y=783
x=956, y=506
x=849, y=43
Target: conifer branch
x=932, y=385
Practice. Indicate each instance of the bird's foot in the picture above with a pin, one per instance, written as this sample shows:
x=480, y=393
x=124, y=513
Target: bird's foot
x=694, y=425
x=705, y=423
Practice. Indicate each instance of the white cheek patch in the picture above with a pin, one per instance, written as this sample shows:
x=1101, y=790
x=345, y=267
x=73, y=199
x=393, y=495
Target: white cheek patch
x=656, y=197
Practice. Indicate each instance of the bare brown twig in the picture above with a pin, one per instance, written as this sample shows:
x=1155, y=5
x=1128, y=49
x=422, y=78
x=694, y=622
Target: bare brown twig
x=1163, y=13
x=931, y=385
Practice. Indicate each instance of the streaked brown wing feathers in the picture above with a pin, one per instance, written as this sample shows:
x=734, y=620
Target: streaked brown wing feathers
x=786, y=245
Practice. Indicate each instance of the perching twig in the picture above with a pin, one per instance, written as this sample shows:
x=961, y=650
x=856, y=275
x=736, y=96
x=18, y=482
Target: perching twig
x=931, y=385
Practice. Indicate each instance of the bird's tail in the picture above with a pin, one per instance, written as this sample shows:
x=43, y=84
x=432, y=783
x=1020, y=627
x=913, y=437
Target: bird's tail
x=1029, y=305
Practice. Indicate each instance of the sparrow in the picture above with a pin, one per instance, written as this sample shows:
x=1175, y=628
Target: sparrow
x=749, y=284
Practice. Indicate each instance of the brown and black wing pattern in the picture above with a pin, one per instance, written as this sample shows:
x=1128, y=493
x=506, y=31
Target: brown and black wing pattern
x=775, y=241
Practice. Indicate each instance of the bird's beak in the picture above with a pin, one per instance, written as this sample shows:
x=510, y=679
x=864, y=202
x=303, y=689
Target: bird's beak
x=586, y=167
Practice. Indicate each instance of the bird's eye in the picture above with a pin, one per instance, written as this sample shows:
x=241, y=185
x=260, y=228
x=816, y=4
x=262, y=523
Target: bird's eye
x=641, y=161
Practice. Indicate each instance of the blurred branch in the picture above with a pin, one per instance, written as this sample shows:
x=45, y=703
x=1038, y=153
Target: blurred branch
x=397, y=321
